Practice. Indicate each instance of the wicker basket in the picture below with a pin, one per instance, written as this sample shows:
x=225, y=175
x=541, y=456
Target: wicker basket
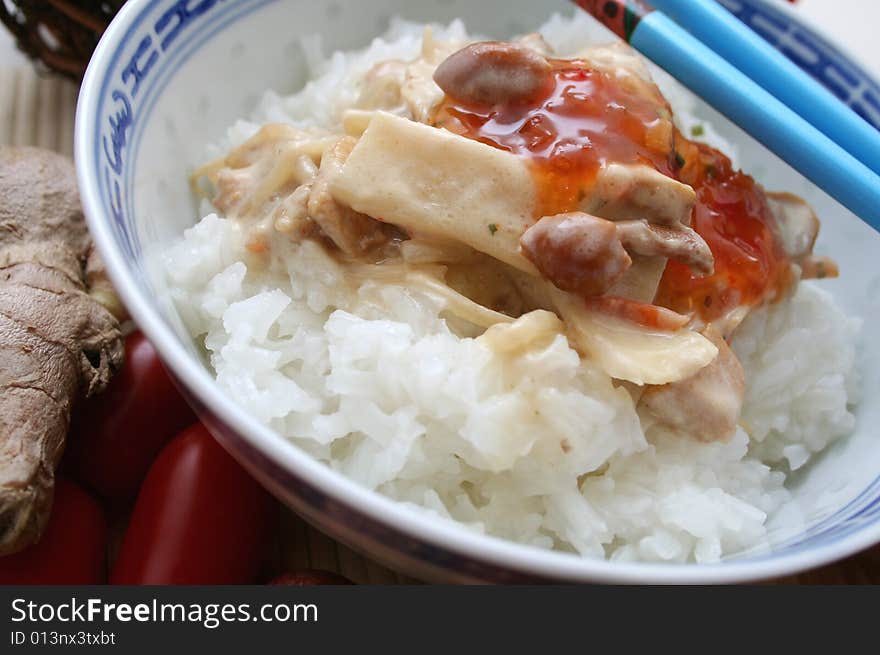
x=59, y=34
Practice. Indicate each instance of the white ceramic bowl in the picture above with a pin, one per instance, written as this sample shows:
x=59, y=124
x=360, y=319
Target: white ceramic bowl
x=170, y=75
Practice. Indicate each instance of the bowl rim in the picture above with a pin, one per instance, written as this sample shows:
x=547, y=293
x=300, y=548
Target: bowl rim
x=518, y=558
x=814, y=28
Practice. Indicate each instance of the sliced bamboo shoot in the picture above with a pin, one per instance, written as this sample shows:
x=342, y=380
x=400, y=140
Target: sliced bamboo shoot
x=640, y=282
x=435, y=183
x=628, y=351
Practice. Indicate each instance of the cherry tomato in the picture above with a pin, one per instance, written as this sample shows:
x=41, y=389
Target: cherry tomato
x=310, y=577
x=73, y=547
x=116, y=436
x=199, y=519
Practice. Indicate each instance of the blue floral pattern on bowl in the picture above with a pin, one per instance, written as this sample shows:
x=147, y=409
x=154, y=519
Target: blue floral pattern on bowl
x=814, y=54
x=156, y=45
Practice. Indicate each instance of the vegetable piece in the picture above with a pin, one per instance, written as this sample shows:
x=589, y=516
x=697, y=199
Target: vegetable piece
x=438, y=184
x=200, y=518
x=640, y=282
x=72, y=549
x=56, y=341
x=115, y=438
x=529, y=329
x=494, y=73
x=628, y=350
x=310, y=577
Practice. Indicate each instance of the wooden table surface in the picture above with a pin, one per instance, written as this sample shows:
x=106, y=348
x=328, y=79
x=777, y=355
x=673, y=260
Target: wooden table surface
x=39, y=111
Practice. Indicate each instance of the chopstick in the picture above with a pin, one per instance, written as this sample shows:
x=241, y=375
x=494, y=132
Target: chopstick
x=738, y=44
x=744, y=102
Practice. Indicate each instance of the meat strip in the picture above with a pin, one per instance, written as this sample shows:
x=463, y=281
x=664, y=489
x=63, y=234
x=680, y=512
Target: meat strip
x=576, y=252
x=494, y=73
x=680, y=243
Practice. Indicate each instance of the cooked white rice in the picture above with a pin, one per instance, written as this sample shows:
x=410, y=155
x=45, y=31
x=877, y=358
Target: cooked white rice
x=372, y=381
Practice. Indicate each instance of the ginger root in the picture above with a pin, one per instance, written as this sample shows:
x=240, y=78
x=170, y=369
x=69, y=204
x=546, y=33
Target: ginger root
x=57, y=342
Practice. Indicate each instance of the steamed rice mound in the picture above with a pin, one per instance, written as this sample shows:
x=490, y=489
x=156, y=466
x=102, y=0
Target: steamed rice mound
x=541, y=448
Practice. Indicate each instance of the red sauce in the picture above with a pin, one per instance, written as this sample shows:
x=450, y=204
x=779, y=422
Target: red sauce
x=589, y=118
x=733, y=217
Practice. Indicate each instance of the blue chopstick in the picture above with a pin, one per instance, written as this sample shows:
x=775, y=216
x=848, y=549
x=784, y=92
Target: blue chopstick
x=739, y=45
x=744, y=102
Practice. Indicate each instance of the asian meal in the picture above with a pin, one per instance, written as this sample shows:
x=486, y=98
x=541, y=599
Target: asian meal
x=516, y=285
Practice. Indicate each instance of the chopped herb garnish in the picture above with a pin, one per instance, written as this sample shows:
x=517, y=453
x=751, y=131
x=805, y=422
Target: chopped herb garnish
x=679, y=160
x=493, y=228
x=711, y=170
x=697, y=131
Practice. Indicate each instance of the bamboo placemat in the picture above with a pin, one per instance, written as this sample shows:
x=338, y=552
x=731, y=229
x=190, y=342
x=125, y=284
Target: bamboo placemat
x=37, y=110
